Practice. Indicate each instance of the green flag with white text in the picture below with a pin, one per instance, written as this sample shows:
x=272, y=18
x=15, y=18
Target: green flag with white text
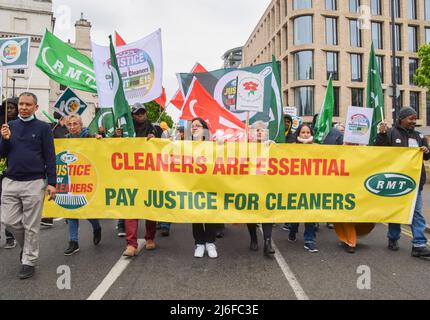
x=121, y=110
x=103, y=119
x=66, y=65
x=325, y=117
x=375, y=95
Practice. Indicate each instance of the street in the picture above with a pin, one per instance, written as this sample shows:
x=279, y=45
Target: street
x=171, y=271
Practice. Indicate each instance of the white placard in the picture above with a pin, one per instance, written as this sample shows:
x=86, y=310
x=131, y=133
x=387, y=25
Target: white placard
x=250, y=92
x=292, y=111
x=358, y=125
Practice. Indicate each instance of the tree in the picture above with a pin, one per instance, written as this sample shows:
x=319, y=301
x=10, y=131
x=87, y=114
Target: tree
x=154, y=112
x=422, y=75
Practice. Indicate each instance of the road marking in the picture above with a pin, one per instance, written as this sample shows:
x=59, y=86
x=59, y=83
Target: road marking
x=113, y=275
x=288, y=274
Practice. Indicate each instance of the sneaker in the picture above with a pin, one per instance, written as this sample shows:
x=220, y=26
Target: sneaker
x=330, y=226
x=393, y=245
x=26, y=272
x=10, y=243
x=311, y=247
x=317, y=227
x=348, y=248
x=165, y=232
x=200, y=251
x=292, y=237
x=150, y=245
x=268, y=250
x=121, y=231
x=130, y=251
x=420, y=252
x=211, y=248
x=47, y=222
x=286, y=227
x=97, y=236
x=72, y=249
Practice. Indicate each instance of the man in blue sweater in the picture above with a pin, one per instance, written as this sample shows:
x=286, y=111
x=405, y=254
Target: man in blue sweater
x=28, y=145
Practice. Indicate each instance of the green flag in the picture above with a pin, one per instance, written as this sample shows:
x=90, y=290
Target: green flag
x=277, y=125
x=66, y=65
x=103, y=119
x=325, y=117
x=375, y=95
x=121, y=110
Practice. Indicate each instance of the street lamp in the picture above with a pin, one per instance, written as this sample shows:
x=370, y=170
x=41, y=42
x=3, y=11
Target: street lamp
x=394, y=72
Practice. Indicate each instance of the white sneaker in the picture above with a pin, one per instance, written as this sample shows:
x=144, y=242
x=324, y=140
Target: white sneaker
x=211, y=248
x=200, y=251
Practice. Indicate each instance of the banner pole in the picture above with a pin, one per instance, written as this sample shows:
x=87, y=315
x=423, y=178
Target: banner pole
x=7, y=94
x=247, y=127
x=29, y=79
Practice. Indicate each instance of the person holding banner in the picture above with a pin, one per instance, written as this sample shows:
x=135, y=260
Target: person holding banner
x=12, y=114
x=28, y=144
x=143, y=129
x=304, y=135
x=404, y=135
x=76, y=130
x=204, y=234
x=259, y=134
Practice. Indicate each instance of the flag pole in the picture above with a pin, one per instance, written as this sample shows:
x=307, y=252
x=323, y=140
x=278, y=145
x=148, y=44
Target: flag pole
x=247, y=126
x=7, y=93
x=31, y=78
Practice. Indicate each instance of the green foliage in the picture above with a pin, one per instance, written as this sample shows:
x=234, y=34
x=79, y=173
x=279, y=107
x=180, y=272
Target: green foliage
x=154, y=112
x=422, y=76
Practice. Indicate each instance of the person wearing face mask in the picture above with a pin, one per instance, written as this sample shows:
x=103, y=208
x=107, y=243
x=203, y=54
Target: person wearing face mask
x=403, y=134
x=28, y=145
x=259, y=134
x=304, y=135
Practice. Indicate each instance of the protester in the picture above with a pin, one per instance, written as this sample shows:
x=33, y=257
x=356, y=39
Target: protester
x=289, y=134
x=12, y=114
x=304, y=135
x=204, y=234
x=143, y=129
x=28, y=144
x=259, y=134
x=340, y=127
x=76, y=130
x=405, y=135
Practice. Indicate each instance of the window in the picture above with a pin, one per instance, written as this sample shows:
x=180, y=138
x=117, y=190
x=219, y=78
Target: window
x=304, y=100
x=413, y=39
x=413, y=66
x=427, y=30
x=354, y=5
x=380, y=61
x=336, y=112
x=357, y=97
x=412, y=9
x=304, y=65
x=396, y=8
x=356, y=69
x=399, y=100
x=330, y=5
x=333, y=65
x=398, y=39
x=331, y=31
x=302, y=4
x=376, y=7
x=377, y=34
x=398, y=69
x=303, y=33
x=414, y=102
x=427, y=9
x=354, y=33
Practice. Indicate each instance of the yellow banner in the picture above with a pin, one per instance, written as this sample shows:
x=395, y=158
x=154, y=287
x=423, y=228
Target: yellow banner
x=187, y=182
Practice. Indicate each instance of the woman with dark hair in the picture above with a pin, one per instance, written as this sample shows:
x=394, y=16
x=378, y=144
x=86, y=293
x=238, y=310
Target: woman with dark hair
x=204, y=234
x=304, y=135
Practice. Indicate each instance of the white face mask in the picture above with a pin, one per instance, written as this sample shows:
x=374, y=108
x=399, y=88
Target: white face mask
x=26, y=119
x=306, y=141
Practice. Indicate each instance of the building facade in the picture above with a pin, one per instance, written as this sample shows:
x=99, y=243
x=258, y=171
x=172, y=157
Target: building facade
x=233, y=58
x=314, y=39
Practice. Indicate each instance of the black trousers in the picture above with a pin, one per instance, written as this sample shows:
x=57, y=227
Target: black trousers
x=204, y=233
x=267, y=230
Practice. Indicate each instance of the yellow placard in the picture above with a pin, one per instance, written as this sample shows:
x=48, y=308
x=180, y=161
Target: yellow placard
x=205, y=182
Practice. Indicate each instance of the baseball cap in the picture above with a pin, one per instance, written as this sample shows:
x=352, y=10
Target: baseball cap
x=137, y=106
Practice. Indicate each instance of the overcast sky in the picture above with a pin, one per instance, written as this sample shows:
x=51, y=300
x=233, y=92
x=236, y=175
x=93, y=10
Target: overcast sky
x=192, y=30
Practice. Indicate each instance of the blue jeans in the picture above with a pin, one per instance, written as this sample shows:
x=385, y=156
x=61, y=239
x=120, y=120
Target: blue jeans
x=418, y=226
x=310, y=235
x=74, y=227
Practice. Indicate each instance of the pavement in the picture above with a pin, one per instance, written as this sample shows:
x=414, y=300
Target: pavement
x=171, y=271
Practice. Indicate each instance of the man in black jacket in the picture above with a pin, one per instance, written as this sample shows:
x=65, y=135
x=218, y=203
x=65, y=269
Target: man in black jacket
x=404, y=135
